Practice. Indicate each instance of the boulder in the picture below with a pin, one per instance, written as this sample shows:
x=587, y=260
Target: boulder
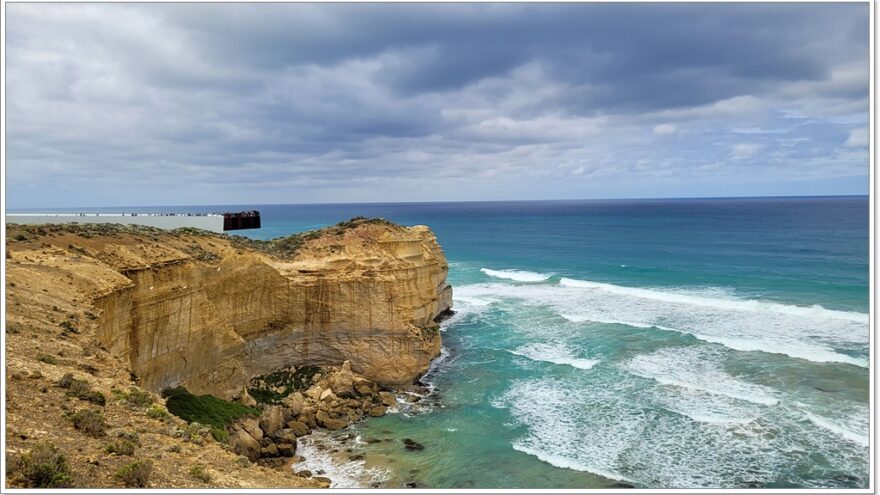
x=252, y=426
x=245, y=399
x=335, y=424
x=330, y=423
x=314, y=392
x=305, y=473
x=243, y=443
x=354, y=414
x=342, y=381
x=286, y=449
x=377, y=411
x=410, y=444
x=308, y=419
x=285, y=435
x=387, y=398
x=294, y=403
x=327, y=395
x=321, y=416
x=298, y=428
x=270, y=451
x=324, y=482
x=272, y=419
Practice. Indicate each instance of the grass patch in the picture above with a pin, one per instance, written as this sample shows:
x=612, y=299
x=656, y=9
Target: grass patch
x=198, y=472
x=44, y=466
x=120, y=447
x=135, y=474
x=207, y=410
x=45, y=358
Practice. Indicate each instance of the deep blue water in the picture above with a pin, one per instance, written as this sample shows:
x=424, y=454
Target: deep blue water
x=657, y=343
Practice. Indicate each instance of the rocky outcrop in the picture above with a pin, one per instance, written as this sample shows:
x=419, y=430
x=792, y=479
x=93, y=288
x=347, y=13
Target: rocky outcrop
x=210, y=312
x=327, y=399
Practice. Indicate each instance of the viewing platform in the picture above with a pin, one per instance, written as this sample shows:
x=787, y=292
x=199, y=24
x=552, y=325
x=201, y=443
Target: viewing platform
x=214, y=222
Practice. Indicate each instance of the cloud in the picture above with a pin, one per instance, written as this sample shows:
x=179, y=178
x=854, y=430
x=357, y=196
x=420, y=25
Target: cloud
x=219, y=103
x=745, y=151
x=858, y=138
x=665, y=129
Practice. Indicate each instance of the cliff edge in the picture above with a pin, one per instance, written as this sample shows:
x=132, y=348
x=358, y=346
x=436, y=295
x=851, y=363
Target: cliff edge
x=210, y=312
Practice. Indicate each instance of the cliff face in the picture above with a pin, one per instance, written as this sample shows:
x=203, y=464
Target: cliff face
x=210, y=312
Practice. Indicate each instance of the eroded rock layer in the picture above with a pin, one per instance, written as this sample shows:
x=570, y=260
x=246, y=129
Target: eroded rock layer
x=210, y=312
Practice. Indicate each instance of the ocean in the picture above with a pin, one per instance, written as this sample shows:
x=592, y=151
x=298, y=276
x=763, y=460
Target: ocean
x=647, y=343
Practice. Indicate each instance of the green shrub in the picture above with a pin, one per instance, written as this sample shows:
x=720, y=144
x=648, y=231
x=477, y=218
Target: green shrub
x=197, y=433
x=81, y=389
x=157, y=412
x=131, y=436
x=135, y=474
x=66, y=380
x=89, y=422
x=208, y=410
x=44, y=466
x=45, y=358
x=198, y=472
x=264, y=387
x=135, y=398
x=120, y=447
x=68, y=327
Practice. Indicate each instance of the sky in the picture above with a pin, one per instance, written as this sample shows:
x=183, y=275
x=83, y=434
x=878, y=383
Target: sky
x=175, y=104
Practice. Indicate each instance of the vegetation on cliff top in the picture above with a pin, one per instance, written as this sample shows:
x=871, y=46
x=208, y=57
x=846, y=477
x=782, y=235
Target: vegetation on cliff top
x=207, y=410
x=286, y=247
x=281, y=247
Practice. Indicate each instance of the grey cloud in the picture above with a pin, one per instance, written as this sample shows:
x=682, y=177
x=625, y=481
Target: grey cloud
x=337, y=95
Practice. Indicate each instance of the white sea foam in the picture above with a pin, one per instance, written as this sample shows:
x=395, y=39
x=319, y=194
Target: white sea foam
x=608, y=428
x=696, y=368
x=554, y=353
x=846, y=432
x=809, y=333
x=343, y=472
x=516, y=275
x=566, y=462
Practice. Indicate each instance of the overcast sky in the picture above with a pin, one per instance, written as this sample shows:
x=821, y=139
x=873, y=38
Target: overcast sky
x=138, y=104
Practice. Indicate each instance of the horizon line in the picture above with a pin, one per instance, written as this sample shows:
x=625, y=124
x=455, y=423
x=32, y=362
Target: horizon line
x=652, y=198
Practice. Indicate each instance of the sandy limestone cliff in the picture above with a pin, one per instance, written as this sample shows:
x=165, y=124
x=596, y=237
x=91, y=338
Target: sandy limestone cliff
x=210, y=312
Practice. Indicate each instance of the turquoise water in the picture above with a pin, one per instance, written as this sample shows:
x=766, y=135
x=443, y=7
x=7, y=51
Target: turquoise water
x=667, y=343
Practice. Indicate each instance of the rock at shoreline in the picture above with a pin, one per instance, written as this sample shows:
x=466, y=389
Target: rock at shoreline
x=325, y=482
x=298, y=428
x=410, y=444
x=377, y=411
x=286, y=435
x=388, y=398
